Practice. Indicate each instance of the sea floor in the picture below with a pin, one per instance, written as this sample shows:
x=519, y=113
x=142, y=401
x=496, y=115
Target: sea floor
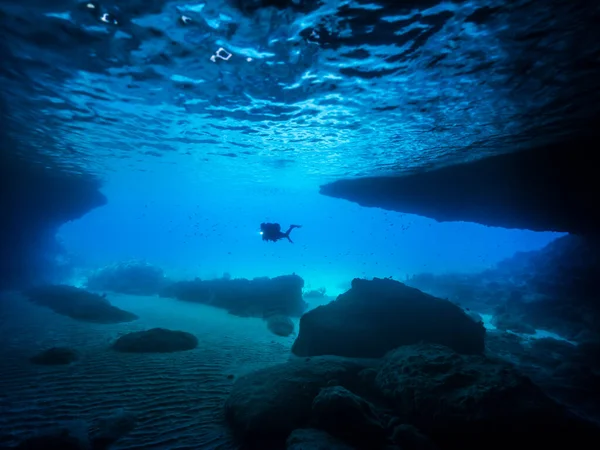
x=178, y=398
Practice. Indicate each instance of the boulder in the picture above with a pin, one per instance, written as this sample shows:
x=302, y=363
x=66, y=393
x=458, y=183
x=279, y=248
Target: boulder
x=128, y=277
x=280, y=325
x=155, y=340
x=349, y=417
x=55, y=356
x=260, y=297
x=78, y=304
x=312, y=439
x=376, y=316
x=468, y=401
x=270, y=403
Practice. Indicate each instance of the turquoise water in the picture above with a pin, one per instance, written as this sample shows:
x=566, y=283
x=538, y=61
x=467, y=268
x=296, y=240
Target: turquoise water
x=191, y=228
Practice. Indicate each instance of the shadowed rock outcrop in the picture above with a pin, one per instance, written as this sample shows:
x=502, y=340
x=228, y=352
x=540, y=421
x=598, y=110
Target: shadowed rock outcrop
x=34, y=202
x=78, y=304
x=267, y=405
x=259, y=297
x=418, y=397
x=376, y=316
x=467, y=401
x=546, y=189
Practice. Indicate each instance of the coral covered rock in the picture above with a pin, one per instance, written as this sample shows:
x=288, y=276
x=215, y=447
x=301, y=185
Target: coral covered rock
x=130, y=277
x=55, y=356
x=280, y=325
x=374, y=317
x=78, y=304
x=156, y=340
x=260, y=297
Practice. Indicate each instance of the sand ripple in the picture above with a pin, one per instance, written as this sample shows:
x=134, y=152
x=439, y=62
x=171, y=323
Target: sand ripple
x=177, y=397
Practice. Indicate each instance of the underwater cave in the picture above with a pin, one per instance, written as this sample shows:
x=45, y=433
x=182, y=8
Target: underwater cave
x=299, y=224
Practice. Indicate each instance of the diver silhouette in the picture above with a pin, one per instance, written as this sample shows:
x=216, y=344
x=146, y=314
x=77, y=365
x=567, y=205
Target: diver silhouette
x=272, y=232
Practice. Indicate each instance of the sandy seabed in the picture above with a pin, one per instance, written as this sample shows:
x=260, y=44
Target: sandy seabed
x=177, y=397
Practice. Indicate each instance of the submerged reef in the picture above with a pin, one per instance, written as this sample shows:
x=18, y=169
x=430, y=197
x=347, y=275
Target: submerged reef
x=259, y=297
x=375, y=316
x=424, y=393
x=78, y=304
x=129, y=277
x=155, y=340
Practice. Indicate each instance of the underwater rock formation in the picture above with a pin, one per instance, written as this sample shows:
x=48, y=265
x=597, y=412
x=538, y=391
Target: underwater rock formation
x=78, y=304
x=376, y=316
x=419, y=397
x=349, y=417
x=155, y=340
x=280, y=325
x=467, y=401
x=259, y=297
x=544, y=189
x=55, y=356
x=130, y=277
x=554, y=289
x=569, y=373
x=34, y=202
x=270, y=403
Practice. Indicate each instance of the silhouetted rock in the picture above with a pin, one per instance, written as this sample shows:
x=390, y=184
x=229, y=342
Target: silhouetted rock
x=156, y=340
x=78, y=304
x=312, y=439
x=375, y=316
x=35, y=200
x=131, y=277
x=280, y=325
x=468, y=401
x=349, y=417
x=260, y=297
x=55, y=356
x=267, y=405
x=513, y=190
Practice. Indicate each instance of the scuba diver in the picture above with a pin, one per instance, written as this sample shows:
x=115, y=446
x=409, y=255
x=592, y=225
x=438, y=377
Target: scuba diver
x=272, y=232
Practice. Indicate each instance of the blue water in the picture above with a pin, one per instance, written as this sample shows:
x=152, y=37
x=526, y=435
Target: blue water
x=193, y=228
